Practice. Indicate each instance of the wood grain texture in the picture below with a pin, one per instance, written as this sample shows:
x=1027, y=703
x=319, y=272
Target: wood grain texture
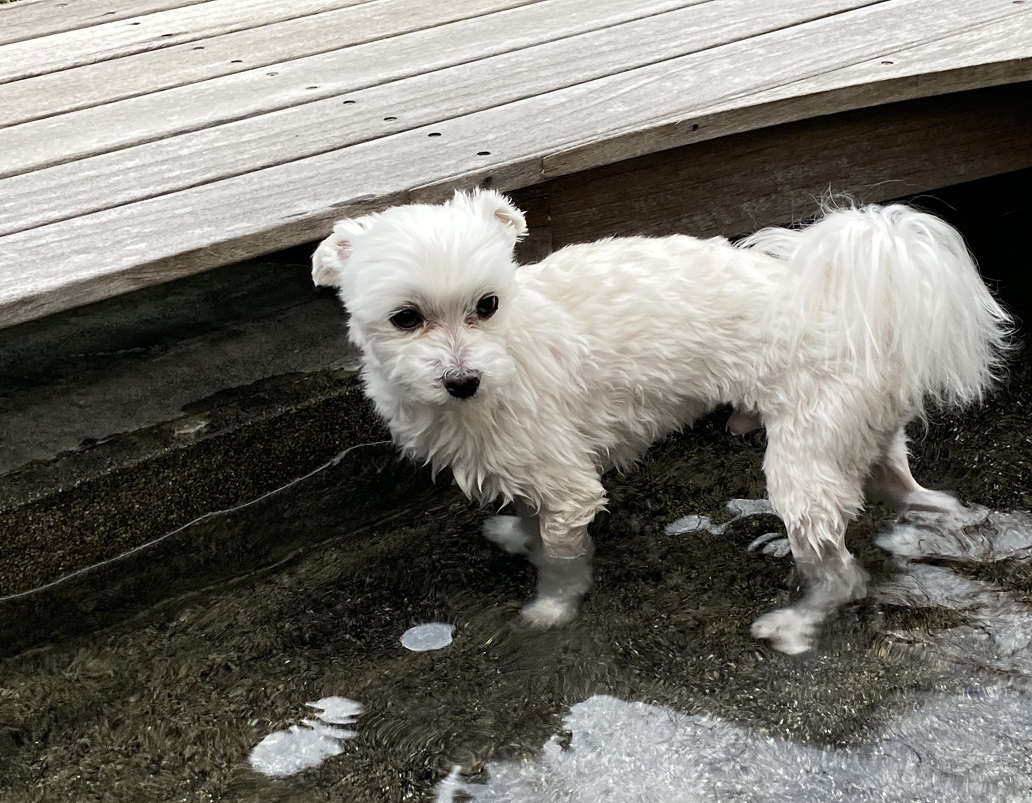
x=980, y=53
x=227, y=54
x=750, y=84
x=31, y=20
x=168, y=165
x=63, y=51
x=420, y=56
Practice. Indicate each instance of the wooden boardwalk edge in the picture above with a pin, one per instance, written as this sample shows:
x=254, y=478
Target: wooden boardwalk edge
x=991, y=128
x=135, y=150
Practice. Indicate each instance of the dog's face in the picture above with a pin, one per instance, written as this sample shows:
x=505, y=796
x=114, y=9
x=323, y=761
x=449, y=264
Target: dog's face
x=428, y=289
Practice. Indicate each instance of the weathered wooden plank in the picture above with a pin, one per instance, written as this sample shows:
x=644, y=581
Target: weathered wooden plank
x=155, y=70
x=983, y=53
x=167, y=165
x=301, y=82
x=62, y=51
x=57, y=266
x=80, y=134
x=1004, y=40
x=986, y=145
x=23, y=20
x=737, y=184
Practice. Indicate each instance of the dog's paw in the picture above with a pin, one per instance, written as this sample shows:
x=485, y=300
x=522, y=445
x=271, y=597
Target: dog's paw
x=789, y=630
x=546, y=612
x=509, y=533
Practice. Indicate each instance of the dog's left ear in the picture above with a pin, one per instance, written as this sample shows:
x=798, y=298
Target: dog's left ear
x=496, y=206
x=331, y=257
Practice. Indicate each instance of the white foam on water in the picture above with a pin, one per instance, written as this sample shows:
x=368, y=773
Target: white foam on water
x=301, y=747
x=974, y=534
x=772, y=543
x=750, y=507
x=450, y=786
x=432, y=636
x=632, y=751
x=693, y=524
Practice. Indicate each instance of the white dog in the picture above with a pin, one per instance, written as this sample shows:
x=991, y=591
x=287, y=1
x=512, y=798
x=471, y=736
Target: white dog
x=530, y=382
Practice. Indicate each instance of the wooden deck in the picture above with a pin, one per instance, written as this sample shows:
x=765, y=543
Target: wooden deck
x=145, y=140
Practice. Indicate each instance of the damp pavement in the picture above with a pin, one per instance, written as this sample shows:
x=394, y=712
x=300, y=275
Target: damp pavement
x=379, y=656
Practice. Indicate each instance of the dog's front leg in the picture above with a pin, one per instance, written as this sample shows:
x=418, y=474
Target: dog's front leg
x=562, y=555
x=562, y=582
x=561, y=585
x=553, y=534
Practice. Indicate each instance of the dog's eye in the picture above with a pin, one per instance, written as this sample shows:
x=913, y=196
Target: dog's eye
x=407, y=319
x=487, y=306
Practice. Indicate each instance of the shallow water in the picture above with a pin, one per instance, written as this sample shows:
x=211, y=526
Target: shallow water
x=281, y=623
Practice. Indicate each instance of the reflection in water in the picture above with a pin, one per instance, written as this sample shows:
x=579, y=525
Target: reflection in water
x=307, y=745
x=999, y=632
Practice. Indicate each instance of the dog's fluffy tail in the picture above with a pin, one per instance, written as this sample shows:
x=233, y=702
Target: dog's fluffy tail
x=894, y=290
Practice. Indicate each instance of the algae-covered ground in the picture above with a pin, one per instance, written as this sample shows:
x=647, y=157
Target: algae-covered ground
x=658, y=680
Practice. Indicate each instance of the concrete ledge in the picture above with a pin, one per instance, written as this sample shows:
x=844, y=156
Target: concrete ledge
x=367, y=485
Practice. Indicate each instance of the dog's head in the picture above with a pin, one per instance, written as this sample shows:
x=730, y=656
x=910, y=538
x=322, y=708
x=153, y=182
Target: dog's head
x=428, y=290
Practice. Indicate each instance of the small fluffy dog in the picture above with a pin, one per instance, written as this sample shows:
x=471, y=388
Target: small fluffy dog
x=530, y=382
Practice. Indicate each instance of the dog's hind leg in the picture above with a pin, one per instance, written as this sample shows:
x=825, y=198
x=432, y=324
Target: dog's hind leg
x=814, y=480
x=891, y=482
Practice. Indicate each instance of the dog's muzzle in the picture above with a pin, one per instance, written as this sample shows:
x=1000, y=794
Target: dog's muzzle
x=462, y=384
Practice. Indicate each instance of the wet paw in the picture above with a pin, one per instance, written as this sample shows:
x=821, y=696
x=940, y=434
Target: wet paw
x=508, y=533
x=789, y=630
x=545, y=612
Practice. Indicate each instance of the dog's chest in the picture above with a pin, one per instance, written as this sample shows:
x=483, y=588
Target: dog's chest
x=475, y=447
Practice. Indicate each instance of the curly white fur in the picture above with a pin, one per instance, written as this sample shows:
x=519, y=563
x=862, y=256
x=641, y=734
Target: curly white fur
x=832, y=337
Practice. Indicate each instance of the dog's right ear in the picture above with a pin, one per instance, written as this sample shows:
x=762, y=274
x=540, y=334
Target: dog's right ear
x=331, y=257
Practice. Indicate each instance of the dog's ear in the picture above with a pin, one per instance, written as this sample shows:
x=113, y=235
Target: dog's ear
x=497, y=207
x=331, y=257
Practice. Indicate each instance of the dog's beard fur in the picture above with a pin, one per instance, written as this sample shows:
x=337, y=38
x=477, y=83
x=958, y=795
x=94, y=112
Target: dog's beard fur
x=833, y=337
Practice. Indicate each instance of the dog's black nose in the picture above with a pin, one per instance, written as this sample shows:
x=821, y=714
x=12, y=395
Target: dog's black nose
x=462, y=386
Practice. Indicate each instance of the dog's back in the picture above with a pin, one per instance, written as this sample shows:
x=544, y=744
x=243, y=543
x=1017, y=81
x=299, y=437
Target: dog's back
x=664, y=316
